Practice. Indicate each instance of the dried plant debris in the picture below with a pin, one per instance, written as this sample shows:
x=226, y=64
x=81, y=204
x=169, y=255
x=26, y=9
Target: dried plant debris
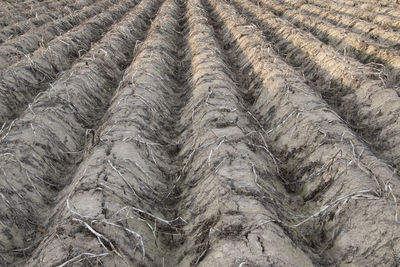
x=199, y=133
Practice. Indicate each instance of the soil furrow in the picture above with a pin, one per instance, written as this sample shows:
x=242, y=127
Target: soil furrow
x=228, y=190
x=385, y=3
x=333, y=177
x=387, y=37
x=25, y=6
x=42, y=148
x=199, y=133
x=124, y=177
x=375, y=7
x=42, y=20
x=23, y=46
x=22, y=25
x=22, y=82
x=15, y=16
x=383, y=20
x=348, y=43
x=356, y=91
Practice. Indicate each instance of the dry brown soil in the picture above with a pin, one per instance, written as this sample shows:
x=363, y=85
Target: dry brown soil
x=199, y=133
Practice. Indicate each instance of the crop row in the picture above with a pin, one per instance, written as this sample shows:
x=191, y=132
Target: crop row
x=385, y=36
x=298, y=125
x=368, y=15
x=53, y=129
x=199, y=132
x=22, y=27
x=22, y=46
x=22, y=82
x=349, y=86
x=349, y=43
x=10, y=16
x=379, y=8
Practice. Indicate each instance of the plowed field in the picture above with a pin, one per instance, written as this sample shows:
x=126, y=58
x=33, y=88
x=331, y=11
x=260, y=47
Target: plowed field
x=199, y=132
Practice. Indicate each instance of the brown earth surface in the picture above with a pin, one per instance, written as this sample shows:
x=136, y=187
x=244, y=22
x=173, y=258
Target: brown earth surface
x=199, y=133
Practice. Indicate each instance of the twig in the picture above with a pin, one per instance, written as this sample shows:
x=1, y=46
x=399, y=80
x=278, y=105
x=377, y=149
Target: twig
x=152, y=216
x=99, y=236
x=76, y=213
x=355, y=195
x=129, y=231
x=9, y=129
x=256, y=176
x=123, y=178
x=75, y=259
x=212, y=150
x=265, y=147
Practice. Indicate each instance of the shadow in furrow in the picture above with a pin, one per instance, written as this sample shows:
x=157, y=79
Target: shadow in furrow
x=323, y=164
x=117, y=210
x=40, y=20
x=13, y=14
x=354, y=90
x=365, y=50
x=42, y=150
x=22, y=82
x=387, y=37
x=230, y=195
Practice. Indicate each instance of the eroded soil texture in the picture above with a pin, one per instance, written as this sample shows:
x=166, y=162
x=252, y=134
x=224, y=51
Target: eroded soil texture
x=199, y=133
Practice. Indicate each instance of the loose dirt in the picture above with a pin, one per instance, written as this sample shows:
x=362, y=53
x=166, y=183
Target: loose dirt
x=199, y=133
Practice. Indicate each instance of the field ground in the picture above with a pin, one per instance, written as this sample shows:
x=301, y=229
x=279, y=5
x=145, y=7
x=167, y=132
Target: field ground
x=199, y=132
